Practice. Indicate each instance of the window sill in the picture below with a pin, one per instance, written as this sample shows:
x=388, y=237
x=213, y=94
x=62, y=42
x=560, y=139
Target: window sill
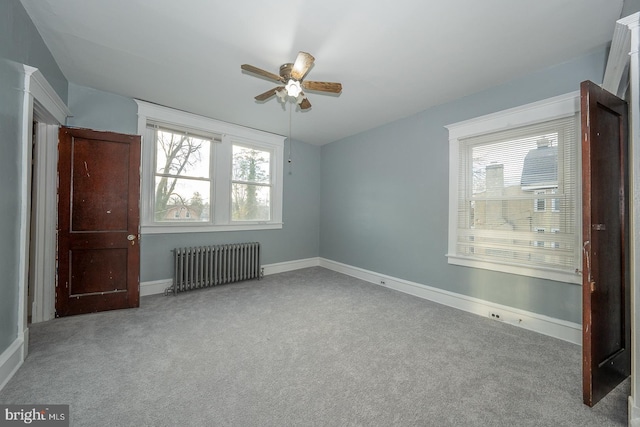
x=193, y=228
x=542, y=273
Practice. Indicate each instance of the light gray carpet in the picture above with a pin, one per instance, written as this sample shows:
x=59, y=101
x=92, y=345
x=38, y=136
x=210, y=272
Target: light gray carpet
x=305, y=348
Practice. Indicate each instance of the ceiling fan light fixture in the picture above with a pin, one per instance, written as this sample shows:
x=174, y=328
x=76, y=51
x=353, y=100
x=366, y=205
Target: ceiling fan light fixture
x=293, y=88
x=292, y=76
x=281, y=93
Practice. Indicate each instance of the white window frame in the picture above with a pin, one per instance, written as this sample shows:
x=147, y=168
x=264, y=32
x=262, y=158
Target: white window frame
x=213, y=140
x=549, y=109
x=220, y=170
x=260, y=146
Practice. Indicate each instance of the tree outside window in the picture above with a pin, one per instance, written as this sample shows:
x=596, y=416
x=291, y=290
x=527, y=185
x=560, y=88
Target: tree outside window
x=183, y=184
x=251, y=184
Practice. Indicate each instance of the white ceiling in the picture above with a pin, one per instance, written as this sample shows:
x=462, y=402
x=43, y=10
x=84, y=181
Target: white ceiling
x=394, y=58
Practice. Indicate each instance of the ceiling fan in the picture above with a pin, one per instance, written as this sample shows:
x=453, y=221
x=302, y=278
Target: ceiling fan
x=291, y=76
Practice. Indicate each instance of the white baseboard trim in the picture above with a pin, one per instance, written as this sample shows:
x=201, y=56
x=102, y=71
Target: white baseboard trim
x=557, y=328
x=10, y=360
x=634, y=414
x=155, y=287
x=282, y=267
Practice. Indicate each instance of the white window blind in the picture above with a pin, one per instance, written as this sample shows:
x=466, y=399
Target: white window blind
x=514, y=187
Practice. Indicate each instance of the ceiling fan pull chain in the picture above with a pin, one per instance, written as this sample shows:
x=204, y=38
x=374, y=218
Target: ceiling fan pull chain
x=290, y=141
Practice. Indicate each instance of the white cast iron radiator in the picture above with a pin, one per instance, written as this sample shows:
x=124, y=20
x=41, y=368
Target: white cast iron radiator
x=205, y=266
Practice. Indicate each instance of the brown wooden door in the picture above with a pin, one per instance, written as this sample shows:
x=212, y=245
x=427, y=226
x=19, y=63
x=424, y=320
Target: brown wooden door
x=98, y=217
x=606, y=291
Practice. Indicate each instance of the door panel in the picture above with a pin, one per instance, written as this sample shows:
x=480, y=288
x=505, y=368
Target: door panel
x=97, y=270
x=94, y=210
x=606, y=321
x=98, y=215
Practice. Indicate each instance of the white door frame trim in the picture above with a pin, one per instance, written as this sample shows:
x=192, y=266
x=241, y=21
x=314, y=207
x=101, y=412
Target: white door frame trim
x=623, y=57
x=633, y=26
x=42, y=103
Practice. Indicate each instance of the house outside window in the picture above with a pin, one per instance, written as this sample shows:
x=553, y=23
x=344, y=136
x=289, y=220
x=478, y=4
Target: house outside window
x=555, y=202
x=540, y=205
x=538, y=243
x=200, y=174
x=514, y=191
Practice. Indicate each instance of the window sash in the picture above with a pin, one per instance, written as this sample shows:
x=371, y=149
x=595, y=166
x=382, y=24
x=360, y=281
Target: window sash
x=253, y=183
x=517, y=247
x=181, y=213
x=257, y=207
x=527, y=252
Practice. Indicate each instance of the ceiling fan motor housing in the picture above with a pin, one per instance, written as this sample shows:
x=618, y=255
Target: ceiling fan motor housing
x=285, y=71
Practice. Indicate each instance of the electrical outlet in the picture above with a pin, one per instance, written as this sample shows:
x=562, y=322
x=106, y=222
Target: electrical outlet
x=495, y=315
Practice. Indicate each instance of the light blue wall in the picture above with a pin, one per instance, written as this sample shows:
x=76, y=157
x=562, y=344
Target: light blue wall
x=98, y=110
x=298, y=239
x=20, y=44
x=384, y=197
x=630, y=7
x=11, y=87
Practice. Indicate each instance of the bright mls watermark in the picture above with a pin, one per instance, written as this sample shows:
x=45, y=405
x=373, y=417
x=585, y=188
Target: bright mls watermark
x=36, y=415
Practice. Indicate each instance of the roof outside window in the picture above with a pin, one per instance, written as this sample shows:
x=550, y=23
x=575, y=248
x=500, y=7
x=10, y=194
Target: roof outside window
x=540, y=169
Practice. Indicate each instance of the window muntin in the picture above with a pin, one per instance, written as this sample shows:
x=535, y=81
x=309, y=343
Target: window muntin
x=514, y=191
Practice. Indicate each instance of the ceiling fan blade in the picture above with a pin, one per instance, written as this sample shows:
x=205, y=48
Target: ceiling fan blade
x=303, y=62
x=323, y=86
x=305, y=104
x=261, y=72
x=268, y=94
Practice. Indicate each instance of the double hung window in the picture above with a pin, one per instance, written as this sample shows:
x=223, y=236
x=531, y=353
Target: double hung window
x=199, y=174
x=182, y=177
x=514, y=191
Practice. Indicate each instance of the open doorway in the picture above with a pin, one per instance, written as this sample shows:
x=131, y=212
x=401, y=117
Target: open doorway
x=42, y=236
x=30, y=278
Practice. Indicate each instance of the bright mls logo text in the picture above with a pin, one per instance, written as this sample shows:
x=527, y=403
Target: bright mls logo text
x=41, y=415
